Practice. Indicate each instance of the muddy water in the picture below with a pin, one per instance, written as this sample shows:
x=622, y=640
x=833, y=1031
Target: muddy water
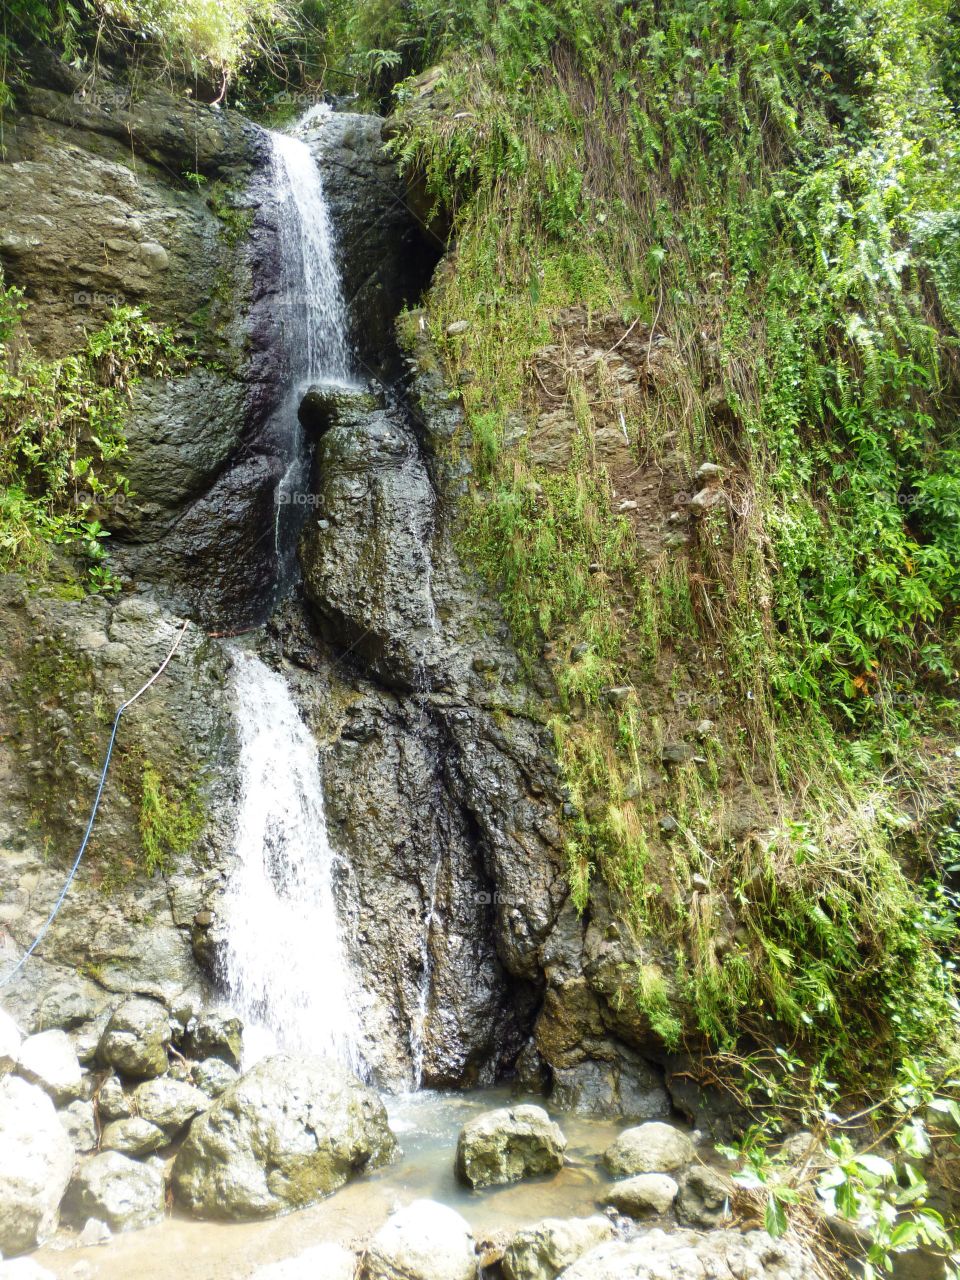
x=426, y=1125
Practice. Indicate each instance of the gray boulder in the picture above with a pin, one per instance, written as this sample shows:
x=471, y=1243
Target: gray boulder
x=424, y=1241
x=213, y=1076
x=49, y=1060
x=290, y=1131
x=136, y=1038
x=169, y=1104
x=323, y=1262
x=508, y=1144
x=79, y=1124
x=648, y=1148
x=9, y=1042
x=656, y=1255
x=125, y=1194
x=642, y=1195
x=36, y=1160
x=704, y=1199
x=215, y=1035
x=112, y=1102
x=542, y=1251
x=132, y=1137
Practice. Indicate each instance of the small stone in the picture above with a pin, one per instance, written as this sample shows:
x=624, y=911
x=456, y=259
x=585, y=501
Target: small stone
x=509, y=1144
x=94, y=1232
x=169, y=1104
x=424, y=1241
x=654, y=1147
x=708, y=471
x=49, y=1060
x=628, y=504
x=699, y=883
x=112, y=1102
x=456, y=328
x=704, y=1199
x=213, y=1076
x=668, y=824
x=136, y=1038
x=79, y=1125
x=642, y=1195
x=547, y=1248
x=617, y=693
x=133, y=1137
x=705, y=499
x=125, y=1194
x=676, y=753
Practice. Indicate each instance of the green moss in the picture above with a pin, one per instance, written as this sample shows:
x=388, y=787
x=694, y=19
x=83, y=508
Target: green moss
x=172, y=819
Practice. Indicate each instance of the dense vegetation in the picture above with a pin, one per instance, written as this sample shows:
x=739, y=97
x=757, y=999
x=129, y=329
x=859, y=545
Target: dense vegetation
x=760, y=202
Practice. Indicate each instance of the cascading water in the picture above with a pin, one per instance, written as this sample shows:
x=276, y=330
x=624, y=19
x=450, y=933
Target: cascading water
x=285, y=966
x=314, y=313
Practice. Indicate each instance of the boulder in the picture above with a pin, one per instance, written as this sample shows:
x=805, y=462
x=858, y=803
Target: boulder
x=36, y=1160
x=79, y=1124
x=66, y=1005
x=49, y=1060
x=24, y=1269
x=9, y=1042
x=169, y=1104
x=290, y=1131
x=94, y=1232
x=508, y=1144
x=326, y=404
x=215, y=1035
x=648, y=1148
x=136, y=1038
x=125, y=1194
x=692, y=1255
x=132, y=1137
x=542, y=1251
x=704, y=1199
x=213, y=1076
x=323, y=1262
x=642, y=1195
x=112, y=1102
x=424, y=1241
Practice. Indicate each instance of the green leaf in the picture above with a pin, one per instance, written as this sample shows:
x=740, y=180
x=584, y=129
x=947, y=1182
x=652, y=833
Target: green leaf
x=774, y=1218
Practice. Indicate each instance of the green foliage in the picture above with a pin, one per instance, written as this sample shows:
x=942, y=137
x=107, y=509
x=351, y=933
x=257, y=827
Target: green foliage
x=171, y=820
x=62, y=437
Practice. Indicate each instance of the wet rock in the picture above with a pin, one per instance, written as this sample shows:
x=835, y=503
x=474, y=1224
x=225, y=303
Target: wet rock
x=79, y=1125
x=136, y=1039
x=323, y=1262
x=215, y=1035
x=424, y=1241
x=49, y=1060
x=704, y=1199
x=509, y=1144
x=648, y=1148
x=642, y=1195
x=10, y=1040
x=36, y=1160
x=541, y=1252
x=125, y=1194
x=133, y=1137
x=326, y=405
x=213, y=1076
x=695, y=1256
x=169, y=1104
x=112, y=1102
x=290, y=1131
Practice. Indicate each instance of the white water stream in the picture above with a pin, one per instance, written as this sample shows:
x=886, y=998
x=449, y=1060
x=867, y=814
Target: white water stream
x=285, y=965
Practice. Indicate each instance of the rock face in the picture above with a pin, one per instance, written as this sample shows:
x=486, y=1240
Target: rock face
x=642, y=1195
x=648, y=1148
x=136, y=1039
x=424, y=1241
x=541, y=1252
x=125, y=1194
x=722, y=1255
x=290, y=1131
x=509, y=1144
x=36, y=1160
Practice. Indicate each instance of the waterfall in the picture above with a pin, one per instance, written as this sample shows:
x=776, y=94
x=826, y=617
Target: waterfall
x=315, y=313
x=285, y=966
